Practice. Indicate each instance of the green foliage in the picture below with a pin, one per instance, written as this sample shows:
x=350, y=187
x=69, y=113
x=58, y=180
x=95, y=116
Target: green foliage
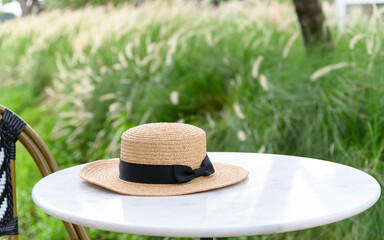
x=242, y=74
x=4, y=16
x=75, y=4
x=6, y=1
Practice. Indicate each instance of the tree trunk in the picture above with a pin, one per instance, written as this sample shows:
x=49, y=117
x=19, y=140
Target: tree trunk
x=27, y=8
x=312, y=23
x=24, y=7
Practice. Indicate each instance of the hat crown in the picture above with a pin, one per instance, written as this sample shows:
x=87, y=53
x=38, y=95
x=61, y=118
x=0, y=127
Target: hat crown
x=164, y=144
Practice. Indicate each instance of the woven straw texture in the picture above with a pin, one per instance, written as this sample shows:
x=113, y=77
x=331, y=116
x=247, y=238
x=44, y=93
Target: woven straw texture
x=105, y=173
x=165, y=144
x=162, y=144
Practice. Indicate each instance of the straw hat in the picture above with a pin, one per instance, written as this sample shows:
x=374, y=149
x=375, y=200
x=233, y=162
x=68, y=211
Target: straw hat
x=162, y=159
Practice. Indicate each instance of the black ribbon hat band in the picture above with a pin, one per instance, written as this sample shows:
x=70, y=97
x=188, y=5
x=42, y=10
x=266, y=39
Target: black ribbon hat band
x=163, y=174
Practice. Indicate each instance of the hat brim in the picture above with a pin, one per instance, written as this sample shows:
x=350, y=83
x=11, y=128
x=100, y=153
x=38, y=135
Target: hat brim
x=105, y=173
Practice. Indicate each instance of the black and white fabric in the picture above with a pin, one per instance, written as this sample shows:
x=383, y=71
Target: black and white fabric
x=10, y=128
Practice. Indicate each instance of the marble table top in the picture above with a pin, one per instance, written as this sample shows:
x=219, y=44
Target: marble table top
x=281, y=194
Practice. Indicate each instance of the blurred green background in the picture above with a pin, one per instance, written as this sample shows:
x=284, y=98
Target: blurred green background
x=240, y=71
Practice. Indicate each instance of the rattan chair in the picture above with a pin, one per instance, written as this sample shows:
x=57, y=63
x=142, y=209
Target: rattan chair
x=13, y=128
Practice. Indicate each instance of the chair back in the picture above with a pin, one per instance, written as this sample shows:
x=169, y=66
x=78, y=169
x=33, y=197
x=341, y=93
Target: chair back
x=13, y=128
x=10, y=129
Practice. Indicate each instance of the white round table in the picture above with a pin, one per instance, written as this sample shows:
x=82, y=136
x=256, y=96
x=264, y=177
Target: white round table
x=281, y=194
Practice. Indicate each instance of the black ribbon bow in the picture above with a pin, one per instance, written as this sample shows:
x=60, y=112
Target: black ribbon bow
x=163, y=174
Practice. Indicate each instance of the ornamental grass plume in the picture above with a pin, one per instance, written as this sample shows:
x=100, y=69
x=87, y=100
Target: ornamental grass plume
x=241, y=135
x=106, y=97
x=263, y=82
x=325, y=70
x=289, y=44
x=355, y=39
x=174, y=96
x=261, y=149
x=256, y=65
x=238, y=111
x=122, y=60
x=210, y=120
